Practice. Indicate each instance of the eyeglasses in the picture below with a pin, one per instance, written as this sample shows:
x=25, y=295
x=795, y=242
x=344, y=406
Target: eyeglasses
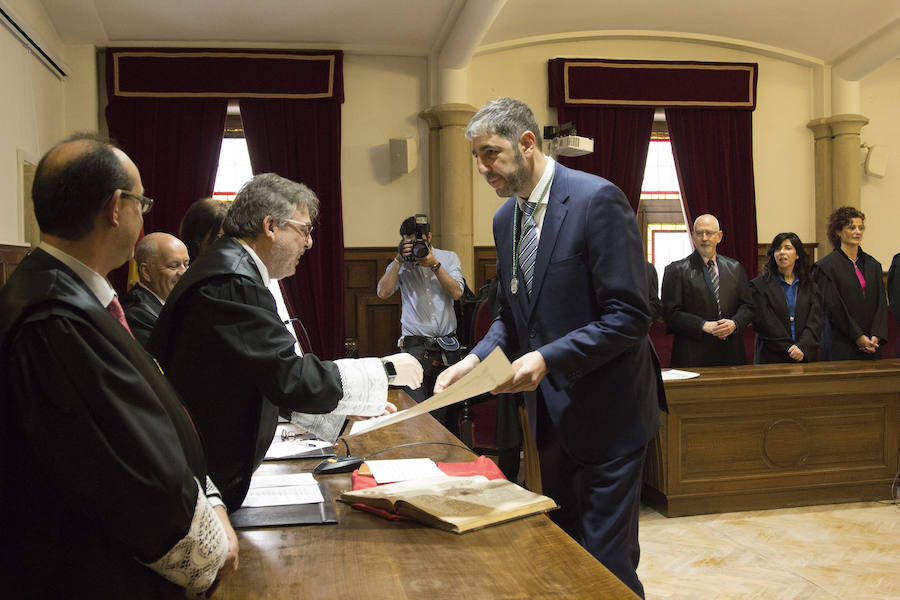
x=705, y=234
x=304, y=229
x=145, y=202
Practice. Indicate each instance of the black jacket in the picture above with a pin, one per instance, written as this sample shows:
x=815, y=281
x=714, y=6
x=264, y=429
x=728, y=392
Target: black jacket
x=848, y=312
x=222, y=344
x=141, y=311
x=772, y=320
x=98, y=458
x=688, y=301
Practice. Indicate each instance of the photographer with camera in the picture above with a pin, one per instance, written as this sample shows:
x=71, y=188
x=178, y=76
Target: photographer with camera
x=430, y=280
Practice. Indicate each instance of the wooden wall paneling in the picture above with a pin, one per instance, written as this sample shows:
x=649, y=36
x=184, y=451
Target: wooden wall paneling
x=485, y=266
x=371, y=325
x=379, y=325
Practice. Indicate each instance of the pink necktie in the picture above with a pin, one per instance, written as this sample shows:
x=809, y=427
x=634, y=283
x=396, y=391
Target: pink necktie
x=115, y=309
x=862, y=280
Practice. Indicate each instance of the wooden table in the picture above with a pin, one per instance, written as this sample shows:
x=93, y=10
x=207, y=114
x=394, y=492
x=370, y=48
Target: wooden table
x=366, y=557
x=772, y=436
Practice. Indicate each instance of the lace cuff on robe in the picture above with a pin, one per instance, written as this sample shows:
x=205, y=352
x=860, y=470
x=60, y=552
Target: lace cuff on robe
x=364, y=384
x=195, y=560
x=213, y=495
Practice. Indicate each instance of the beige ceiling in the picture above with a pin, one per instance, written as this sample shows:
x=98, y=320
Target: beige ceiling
x=825, y=31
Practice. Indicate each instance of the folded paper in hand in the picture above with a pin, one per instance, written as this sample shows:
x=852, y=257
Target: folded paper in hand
x=488, y=374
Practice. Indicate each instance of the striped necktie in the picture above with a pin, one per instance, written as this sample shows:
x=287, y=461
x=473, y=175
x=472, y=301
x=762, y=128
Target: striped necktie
x=528, y=244
x=714, y=277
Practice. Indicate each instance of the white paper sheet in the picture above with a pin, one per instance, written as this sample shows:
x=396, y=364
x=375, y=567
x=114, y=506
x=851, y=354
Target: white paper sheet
x=282, y=490
x=403, y=469
x=676, y=375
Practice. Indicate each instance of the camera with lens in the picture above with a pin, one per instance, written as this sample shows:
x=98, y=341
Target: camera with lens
x=419, y=249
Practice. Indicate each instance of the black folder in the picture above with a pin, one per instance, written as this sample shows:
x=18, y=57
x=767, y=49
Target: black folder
x=322, y=513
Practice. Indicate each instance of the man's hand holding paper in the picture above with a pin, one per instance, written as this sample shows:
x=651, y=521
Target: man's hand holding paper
x=468, y=381
x=529, y=369
x=455, y=372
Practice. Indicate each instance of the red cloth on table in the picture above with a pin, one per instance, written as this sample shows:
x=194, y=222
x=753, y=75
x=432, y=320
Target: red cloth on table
x=480, y=466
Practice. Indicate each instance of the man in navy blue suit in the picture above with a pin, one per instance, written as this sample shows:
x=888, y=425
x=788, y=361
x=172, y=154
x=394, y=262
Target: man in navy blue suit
x=574, y=313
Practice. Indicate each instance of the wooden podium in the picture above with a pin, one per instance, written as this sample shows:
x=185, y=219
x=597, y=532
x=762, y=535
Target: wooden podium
x=772, y=436
x=364, y=556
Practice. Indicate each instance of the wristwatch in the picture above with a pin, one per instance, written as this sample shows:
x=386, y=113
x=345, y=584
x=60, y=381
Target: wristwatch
x=390, y=370
x=435, y=267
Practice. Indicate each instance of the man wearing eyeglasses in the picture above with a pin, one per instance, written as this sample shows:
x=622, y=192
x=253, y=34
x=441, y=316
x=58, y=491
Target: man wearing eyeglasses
x=227, y=352
x=103, y=486
x=707, y=303
x=161, y=261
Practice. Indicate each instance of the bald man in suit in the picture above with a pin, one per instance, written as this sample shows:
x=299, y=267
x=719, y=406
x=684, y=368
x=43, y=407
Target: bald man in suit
x=707, y=303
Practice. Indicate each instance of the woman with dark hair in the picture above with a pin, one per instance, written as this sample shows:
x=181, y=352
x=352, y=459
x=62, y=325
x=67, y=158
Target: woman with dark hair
x=852, y=292
x=202, y=225
x=787, y=310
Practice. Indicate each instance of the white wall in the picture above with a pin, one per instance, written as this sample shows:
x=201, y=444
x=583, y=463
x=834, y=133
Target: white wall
x=36, y=108
x=880, y=102
x=783, y=147
x=383, y=96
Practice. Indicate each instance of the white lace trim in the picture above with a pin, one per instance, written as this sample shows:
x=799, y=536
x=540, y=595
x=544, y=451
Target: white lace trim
x=364, y=383
x=365, y=386
x=195, y=560
x=213, y=495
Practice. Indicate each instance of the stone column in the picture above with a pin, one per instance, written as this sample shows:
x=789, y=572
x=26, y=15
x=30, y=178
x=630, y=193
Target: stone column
x=450, y=181
x=824, y=202
x=838, y=168
x=846, y=163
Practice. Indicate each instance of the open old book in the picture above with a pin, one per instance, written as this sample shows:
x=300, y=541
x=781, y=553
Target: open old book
x=457, y=504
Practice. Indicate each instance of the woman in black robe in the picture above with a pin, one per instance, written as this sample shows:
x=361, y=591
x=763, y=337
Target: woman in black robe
x=852, y=292
x=786, y=305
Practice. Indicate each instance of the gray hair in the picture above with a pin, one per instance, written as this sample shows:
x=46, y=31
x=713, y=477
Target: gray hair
x=506, y=117
x=267, y=194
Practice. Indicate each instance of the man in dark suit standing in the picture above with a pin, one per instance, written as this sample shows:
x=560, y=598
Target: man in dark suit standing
x=574, y=313
x=707, y=303
x=161, y=261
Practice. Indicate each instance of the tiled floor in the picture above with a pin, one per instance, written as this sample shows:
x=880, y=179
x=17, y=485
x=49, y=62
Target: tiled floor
x=842, y=551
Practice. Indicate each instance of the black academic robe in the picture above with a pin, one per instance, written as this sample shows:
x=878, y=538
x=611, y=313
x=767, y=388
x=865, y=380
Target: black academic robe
x=98, y=460
x=141, y=311
x=848, y=312
x=772, y=321
x=225, y=349
x=653, y=288
x=688, y=300
x=893, y=287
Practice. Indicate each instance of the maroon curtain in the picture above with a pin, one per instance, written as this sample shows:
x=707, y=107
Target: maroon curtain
x=621, y=139
x=301, y=140
x=175, y=143
x=713, y=151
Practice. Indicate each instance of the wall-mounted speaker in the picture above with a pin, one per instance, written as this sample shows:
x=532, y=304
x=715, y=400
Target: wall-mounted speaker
x=404, y=155
x=876, y=161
